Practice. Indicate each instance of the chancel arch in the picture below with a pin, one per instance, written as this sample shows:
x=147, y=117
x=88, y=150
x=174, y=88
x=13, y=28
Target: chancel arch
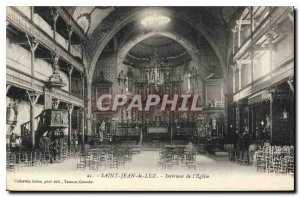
x=99, y=41
x=133, y=41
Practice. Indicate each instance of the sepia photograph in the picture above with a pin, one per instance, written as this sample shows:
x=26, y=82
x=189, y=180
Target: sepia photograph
x=150, y=98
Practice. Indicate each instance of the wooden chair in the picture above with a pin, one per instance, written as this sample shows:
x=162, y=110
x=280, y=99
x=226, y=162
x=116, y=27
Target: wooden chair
x=167, y=164
x=82, y=162
x=260, y=162
x=45, y=158
x=37, y=158
x=290, y=166
x=11, y=164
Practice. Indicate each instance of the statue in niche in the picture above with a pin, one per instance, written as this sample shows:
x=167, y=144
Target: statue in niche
x=133, y=115
x=213, y=102
x=102, y=130
x=168, y=90
x=246, y=127
x=101, y=75
x=184, y=116
x=214, y=123
x=121, y=75
x=175, y=90
x=12, y=113
x=168, y=116
x=128, y=115
x=194, y=71
x=148, y=76
x=124, y=115
x=267, y=129
x=167, y=75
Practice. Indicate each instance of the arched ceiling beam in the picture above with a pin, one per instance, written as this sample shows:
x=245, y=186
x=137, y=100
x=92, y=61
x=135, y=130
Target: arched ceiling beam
x=134, y=40
x=117, y=20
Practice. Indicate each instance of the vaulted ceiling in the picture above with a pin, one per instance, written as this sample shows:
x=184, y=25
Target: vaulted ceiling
x=192, y=30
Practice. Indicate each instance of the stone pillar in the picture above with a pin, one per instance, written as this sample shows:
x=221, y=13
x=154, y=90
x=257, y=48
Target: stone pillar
x=226, y=105
x=89, y=108
x=252, y=53
x=70, y=110
x=82, y=111
x=33, y=98
x=233, y=67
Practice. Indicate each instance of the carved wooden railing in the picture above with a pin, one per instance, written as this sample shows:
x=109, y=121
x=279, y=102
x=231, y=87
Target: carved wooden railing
x=39, y=125
x=23, y=80
x=23, y=23
x=67, y=97
x=273, y=18
x=282, y=71
x=70, y=20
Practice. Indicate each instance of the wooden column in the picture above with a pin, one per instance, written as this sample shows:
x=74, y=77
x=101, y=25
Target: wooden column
x=239, y=66
x=239, y=32
x=252, y=19
x=71, y=68
x=233, y=39
x=83, y=84
x=81, y=47
x=33, y=98
x=33, y=46
x=270, y=40
x=70, y=110
x=32, y=13
x=7, y=88
x=55, y=17
x=70, y=32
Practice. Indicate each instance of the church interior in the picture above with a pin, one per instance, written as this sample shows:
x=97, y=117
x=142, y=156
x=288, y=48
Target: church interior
x=238, y=61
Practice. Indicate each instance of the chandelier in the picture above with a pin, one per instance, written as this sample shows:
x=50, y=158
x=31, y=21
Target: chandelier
x=155, y=20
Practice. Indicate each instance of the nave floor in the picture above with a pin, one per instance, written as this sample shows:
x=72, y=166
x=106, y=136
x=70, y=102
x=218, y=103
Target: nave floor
x=219, y=173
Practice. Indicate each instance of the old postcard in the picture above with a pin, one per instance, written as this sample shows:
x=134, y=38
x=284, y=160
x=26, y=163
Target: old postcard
x=108, y=98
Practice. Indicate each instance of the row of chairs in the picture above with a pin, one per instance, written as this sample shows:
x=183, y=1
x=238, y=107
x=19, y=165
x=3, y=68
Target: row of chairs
x=239, y=156
x=174, y=157
x=21, y=158
x=106, y=156
x=26, y=159
x=275, y=159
